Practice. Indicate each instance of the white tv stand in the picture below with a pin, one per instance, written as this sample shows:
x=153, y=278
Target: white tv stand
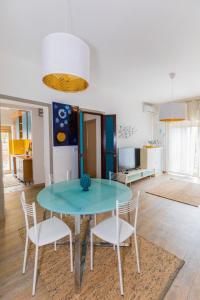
x=134, y=175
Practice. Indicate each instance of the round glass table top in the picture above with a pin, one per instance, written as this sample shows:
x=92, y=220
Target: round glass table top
x=68, y=197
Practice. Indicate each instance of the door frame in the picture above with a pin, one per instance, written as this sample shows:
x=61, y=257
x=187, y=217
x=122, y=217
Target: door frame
x=96, y=113
x=7, y=129
x=47, y=107
x=103, y=139
x=104, y=144
x=86, y=123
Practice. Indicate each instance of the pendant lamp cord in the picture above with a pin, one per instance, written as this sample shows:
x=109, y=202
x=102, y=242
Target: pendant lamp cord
x=68, y=19
x=172, y=88
x=172, y=76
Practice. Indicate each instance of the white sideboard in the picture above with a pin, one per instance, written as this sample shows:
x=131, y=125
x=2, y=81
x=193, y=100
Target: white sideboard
x=151, y=159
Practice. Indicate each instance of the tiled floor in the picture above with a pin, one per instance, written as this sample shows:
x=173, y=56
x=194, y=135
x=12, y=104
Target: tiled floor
x=12, y=184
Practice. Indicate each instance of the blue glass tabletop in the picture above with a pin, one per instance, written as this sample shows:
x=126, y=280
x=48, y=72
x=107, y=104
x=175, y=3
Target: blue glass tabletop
x=68, y=196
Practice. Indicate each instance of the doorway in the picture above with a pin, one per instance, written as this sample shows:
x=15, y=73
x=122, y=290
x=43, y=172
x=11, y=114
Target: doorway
x=183, y=148
x=5, y=138
x=16, y=138
x=104, y=159
x=47, y=157
x=90, y=145
x=25, y=142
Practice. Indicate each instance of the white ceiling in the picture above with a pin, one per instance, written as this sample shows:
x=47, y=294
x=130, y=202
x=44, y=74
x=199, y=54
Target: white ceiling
x=134, y=43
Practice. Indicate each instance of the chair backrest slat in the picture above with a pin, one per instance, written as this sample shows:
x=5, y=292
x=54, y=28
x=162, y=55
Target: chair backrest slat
x=69, y=174
x=29, y=211
x=112, y=176
x=127, y=207
x=51, y=179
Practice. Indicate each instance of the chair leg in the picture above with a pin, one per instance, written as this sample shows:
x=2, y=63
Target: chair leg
x=51, y=214
x=91, y=251
x=61, y=216
x=35, y=271
x=55, y=246
x=25, y=255
x=95, y=220
x=120, y=270
x=71, y=251
x=113, y=214
x=137, y=253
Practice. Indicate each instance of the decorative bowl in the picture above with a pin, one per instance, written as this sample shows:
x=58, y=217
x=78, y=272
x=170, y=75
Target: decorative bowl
x=85, y=182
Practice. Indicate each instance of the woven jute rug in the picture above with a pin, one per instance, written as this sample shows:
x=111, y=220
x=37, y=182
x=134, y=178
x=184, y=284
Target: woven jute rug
x=158, y=270
x=178, y=190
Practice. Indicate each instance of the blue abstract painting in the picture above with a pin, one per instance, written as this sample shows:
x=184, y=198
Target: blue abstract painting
x=65, y=131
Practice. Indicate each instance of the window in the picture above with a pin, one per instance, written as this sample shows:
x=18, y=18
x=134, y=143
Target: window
x=184, y=148
x=5, y=135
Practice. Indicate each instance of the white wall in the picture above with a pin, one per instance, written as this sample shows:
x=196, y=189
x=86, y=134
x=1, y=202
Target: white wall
x=6, y=116
x=65, y=158
x=2, y=214
x=132, y=114
x=46, y=145
x=21, y=78
x=159, y=133
x=88, y=117
x=38, y=147
x=7, y=119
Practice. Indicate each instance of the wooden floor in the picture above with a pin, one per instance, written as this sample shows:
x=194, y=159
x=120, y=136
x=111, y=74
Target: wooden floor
x=169, y=224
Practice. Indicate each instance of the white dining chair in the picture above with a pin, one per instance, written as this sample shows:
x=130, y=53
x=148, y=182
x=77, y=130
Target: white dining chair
x=49, y=181
x=112, y=176
x=116, y=230
x=43, y=233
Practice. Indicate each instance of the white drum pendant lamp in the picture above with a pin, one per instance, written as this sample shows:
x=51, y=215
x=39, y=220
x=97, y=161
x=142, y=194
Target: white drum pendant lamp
x=65, y=62
x=173, y=112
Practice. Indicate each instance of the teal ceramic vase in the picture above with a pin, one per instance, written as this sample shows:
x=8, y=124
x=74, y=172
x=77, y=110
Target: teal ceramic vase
x=85, y=182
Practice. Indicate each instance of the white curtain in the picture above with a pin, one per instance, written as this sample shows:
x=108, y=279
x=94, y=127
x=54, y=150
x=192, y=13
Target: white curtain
x=183, y=143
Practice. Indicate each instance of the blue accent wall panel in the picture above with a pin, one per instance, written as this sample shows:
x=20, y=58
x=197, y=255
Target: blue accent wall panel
x=110, y=146
x=65, y=131
x=81, y=132
x=109, y=133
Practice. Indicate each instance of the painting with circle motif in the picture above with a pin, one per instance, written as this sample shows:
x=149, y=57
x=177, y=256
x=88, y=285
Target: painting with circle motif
x=65, y=132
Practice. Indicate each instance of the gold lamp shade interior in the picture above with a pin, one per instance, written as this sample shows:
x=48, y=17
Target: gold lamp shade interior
x=172, y=120
x=65, y=82
x=173, y=112
x=65, y=62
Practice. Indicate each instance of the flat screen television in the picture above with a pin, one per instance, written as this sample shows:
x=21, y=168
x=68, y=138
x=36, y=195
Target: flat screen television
x=128, y=158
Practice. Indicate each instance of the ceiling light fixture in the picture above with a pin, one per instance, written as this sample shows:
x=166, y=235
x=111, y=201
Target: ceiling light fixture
x=173, y=111
x=65, y=62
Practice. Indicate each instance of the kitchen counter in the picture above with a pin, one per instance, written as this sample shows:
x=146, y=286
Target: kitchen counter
x=22, y=167
x=23, y=156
